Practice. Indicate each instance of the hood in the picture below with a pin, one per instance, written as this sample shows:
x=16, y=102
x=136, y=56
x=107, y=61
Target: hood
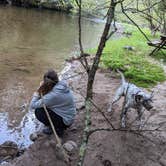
x=61, y=86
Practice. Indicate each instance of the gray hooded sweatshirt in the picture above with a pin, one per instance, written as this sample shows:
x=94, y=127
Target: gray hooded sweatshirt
x=60, y=100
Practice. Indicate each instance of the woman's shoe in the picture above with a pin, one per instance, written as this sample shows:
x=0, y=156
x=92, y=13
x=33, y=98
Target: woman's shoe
x=47, y=130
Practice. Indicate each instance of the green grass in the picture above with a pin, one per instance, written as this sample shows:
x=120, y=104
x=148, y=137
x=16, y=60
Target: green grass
x=136, y=64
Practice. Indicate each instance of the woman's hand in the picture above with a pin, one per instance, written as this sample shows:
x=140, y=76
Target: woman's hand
x=41, y=83
x=36, y=94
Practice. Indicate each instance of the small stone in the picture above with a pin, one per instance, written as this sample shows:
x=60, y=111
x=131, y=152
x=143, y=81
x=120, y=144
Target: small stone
x=8, y=150
x=33, y=137
x=129, y=48
x=73, y=144
x=73, y=128
x=69, y=146
x=47, y=144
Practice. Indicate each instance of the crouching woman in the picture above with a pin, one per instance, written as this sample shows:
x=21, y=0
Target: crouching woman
x=58, y=100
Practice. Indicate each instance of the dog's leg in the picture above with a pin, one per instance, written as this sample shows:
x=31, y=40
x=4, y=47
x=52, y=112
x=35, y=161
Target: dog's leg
x=123, y=116
x=140, y=112
x=118, y=95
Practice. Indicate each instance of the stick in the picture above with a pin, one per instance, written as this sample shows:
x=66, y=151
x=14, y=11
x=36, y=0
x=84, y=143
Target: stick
x=61, y=152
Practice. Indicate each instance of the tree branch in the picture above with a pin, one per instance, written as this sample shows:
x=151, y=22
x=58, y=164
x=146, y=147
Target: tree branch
x=123, y=11
x=83, y=60
x=112, y=32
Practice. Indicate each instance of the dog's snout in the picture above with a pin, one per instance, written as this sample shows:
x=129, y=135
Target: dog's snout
x=150, y=107
x=148, y=104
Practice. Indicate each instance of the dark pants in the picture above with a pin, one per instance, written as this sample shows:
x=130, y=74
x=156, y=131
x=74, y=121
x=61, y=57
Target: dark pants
x=56, y=119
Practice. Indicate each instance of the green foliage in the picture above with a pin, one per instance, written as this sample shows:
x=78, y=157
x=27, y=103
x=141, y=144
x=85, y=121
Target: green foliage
x=137, y=67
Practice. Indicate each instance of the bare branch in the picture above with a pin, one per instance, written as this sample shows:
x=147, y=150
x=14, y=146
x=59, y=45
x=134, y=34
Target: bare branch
x=83, y=60
x=133, y=10
x=103, y=6
x=98, y=109
x=112, y=32
x=123, y=11
x=102, y=113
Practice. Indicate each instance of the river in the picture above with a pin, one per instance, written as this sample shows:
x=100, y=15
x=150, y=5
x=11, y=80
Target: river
x=32, y=41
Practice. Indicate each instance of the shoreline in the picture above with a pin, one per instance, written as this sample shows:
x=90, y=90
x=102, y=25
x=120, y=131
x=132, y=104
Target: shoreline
x=104, y=88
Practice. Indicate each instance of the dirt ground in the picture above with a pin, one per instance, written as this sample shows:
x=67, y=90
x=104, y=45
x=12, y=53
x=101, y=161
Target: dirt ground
x=106, y=148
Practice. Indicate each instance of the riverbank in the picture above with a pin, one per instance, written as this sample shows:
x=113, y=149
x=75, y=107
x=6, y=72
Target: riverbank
x=33, y=41
x=118, y=148
x=58, y=5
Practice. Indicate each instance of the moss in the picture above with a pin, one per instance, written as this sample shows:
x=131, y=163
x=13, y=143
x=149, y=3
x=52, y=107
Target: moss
x=137, y=66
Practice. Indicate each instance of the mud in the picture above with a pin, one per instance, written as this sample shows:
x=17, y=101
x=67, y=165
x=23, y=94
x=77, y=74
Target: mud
x=116, y=148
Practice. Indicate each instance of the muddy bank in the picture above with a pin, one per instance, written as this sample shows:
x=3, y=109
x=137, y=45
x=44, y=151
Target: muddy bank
x=31, y=42
x=104, y=147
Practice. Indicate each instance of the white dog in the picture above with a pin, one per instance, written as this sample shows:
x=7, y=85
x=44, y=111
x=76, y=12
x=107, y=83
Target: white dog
x=134, y=98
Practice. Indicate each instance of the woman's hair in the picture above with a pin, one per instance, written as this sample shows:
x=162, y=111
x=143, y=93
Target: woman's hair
x=50, y=79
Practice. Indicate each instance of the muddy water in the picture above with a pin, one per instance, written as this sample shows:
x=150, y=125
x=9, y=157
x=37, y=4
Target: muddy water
x=31, y=41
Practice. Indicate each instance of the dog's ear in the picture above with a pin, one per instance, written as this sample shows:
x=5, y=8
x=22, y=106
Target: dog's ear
x=138, y=98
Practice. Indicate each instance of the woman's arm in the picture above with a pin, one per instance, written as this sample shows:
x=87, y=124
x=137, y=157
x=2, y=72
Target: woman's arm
x=37, y=101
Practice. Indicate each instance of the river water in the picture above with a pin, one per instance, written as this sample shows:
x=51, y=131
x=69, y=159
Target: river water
x=32, y=41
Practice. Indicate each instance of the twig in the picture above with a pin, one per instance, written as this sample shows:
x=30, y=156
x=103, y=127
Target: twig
x=98, y=109
x=102, y=113
x=86, y=65
x=112, y=32
x=123, y=11
x=133, y=10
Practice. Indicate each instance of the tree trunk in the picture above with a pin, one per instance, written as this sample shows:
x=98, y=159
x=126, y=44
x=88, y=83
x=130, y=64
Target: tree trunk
x=92, y=72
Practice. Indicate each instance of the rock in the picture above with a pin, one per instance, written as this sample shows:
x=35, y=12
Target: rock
x=73, y=128
x=33, y=137
x=129, y=48
x=8, y=150
x=127, y=33
x=69, y=146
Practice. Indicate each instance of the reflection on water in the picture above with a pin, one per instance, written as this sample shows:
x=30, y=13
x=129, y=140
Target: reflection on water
x=31, y=41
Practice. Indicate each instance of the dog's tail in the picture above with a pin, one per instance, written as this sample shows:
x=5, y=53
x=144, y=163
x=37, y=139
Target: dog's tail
x=122, y=76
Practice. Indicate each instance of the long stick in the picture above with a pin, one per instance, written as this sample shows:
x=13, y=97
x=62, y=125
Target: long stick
x=51, y=123
x=61, y=154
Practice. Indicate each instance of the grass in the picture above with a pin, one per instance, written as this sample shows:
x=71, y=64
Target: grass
x=137, y=66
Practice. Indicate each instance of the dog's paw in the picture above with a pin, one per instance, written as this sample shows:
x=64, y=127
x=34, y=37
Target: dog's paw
x=123, y=124
x=109, y=109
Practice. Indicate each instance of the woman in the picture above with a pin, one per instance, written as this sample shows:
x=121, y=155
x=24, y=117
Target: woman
x=59, y=101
